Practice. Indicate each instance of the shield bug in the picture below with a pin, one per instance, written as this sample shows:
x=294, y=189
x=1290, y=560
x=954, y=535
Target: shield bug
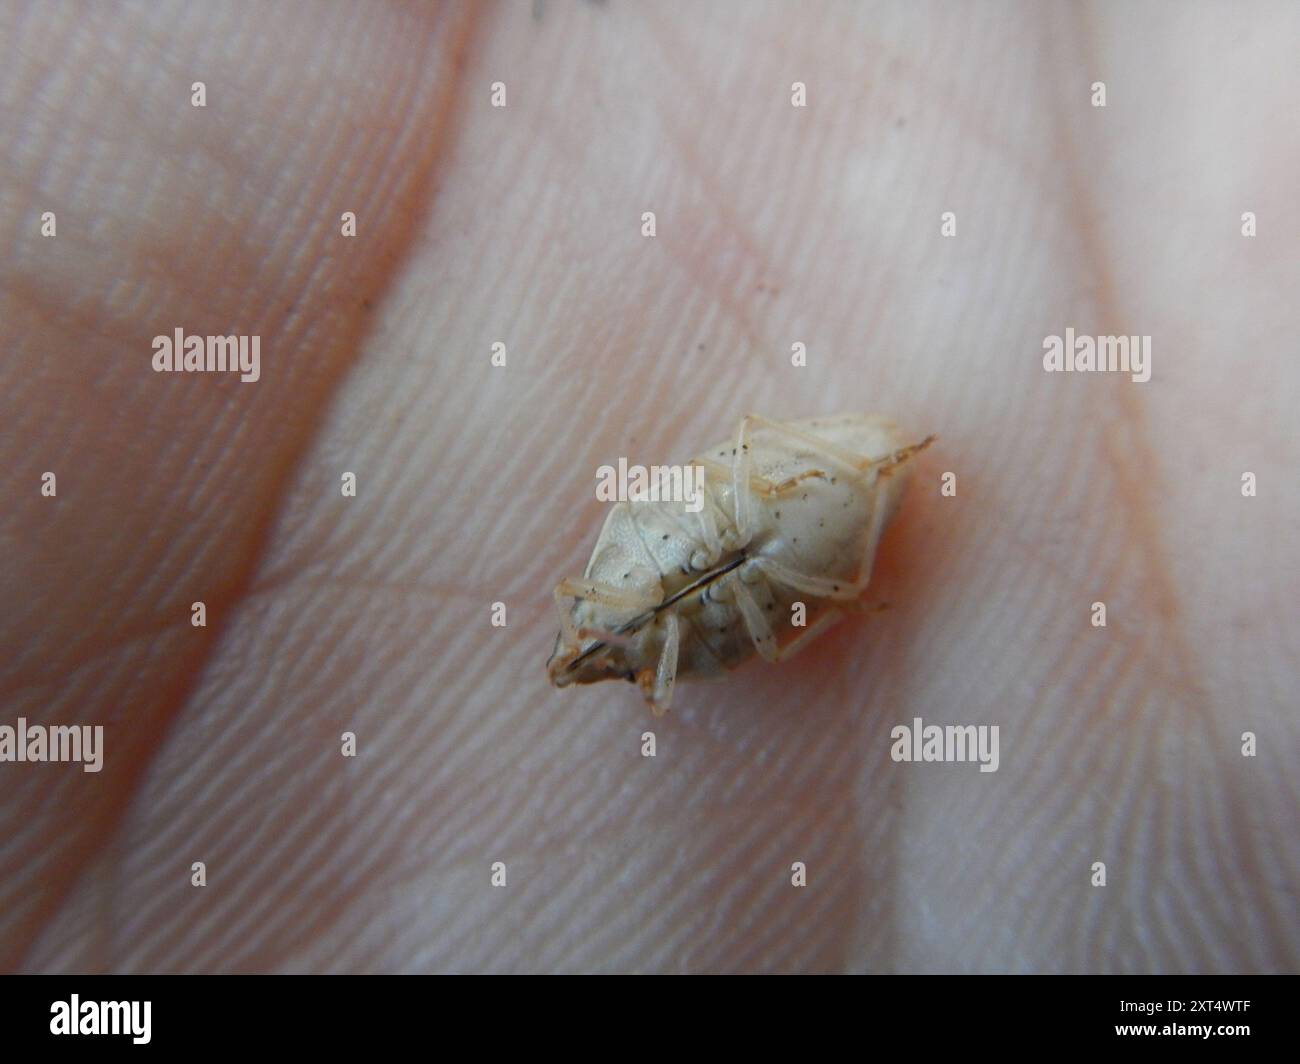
x=783, y=530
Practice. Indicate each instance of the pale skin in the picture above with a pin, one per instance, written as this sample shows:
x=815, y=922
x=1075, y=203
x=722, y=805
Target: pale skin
x=523, y=225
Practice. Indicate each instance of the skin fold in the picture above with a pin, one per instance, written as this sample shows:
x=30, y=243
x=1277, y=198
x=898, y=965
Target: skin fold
x=522, y=225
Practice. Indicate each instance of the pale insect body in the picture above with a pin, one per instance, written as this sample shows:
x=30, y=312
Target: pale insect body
x=792, y=513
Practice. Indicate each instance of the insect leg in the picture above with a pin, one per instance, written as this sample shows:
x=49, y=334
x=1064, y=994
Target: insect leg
x=660, y=696
x=742, y=465
x=569, y=591
x=568, y=630
x=607, y=595
x=744, y=481
x=722, y=474
x=759, y=630
x=887, y=464
x=825, y=621
x=817, y=586
x=726, y=539
x=883, y=467
x=847, y=460
x=703, y=530
x=879, y=513
x=835, y=589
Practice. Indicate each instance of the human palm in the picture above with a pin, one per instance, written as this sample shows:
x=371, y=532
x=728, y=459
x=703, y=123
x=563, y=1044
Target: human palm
x=523, y=225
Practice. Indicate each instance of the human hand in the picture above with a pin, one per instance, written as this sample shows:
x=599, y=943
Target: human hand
x=522, y=225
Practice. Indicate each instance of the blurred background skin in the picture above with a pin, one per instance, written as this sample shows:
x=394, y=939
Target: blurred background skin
x=522, y=225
